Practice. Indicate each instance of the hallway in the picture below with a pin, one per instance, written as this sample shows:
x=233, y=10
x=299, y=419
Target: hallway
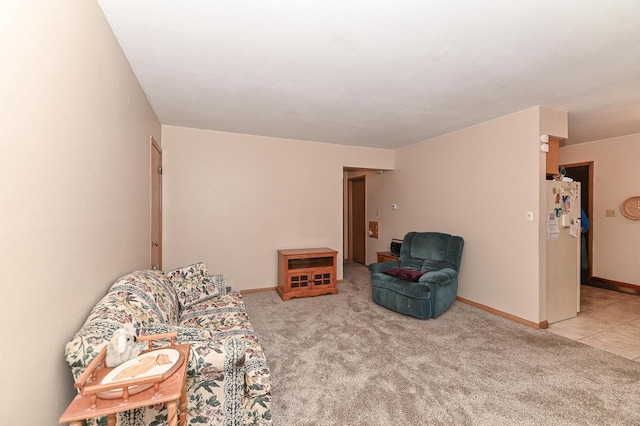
x=609, y=320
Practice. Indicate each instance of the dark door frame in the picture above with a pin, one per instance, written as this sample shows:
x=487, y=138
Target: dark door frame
x=350, y=218
x=589, y=210
x=155, y=201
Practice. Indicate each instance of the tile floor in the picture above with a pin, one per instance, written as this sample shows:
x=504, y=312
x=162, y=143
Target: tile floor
x=608, y=320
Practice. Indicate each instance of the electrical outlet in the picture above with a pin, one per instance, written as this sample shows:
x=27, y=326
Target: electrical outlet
x=610, y=213
x=530, y=216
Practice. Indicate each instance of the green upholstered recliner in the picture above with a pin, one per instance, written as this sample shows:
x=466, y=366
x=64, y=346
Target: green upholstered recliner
x=434, y=292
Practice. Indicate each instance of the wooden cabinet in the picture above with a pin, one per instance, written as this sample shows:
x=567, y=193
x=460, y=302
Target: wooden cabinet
x=552, y=155
x=306, y=272
x=384, y=256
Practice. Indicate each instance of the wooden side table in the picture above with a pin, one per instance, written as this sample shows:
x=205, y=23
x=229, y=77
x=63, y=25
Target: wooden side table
x=384, y=256
x=172, y=389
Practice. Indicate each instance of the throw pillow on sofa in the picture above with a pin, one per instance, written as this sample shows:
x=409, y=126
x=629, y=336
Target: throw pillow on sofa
x=194, y=270
x=190, y=286
x=194, y=290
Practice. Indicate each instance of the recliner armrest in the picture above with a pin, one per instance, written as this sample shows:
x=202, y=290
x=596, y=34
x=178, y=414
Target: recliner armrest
x=383, y=266
x=439, y=277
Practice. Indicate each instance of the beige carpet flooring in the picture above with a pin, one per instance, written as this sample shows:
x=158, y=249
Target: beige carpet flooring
x=343, y=360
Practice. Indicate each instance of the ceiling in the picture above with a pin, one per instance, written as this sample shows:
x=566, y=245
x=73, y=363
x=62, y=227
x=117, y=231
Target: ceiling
x=382, y=73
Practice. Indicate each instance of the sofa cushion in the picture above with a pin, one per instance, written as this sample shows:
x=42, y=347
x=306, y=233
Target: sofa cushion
x=225, y=316
x=415, y=290
x=405, y=274
x=185, y=334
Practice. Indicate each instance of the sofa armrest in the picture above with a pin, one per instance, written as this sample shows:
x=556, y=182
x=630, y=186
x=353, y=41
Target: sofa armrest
x=217, y=355
x=383, y=266
x=443, y=285
x=230, y=373
x=211, y=358
x=442, y=276
x=257, y=400
x=238, y=365
x=258, y=377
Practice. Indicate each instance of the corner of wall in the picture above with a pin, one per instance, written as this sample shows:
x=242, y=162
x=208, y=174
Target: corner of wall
x=554, y=122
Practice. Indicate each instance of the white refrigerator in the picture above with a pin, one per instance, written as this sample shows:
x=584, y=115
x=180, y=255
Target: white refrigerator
x=563, y=250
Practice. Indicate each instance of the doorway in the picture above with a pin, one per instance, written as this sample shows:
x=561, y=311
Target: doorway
x=583, y=173
x=357, y=220
x=156, y=205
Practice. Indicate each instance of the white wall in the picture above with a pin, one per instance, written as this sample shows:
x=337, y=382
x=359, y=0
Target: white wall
x=232, y=200
x=616, y=240
x=74, y=179
x=477, y=183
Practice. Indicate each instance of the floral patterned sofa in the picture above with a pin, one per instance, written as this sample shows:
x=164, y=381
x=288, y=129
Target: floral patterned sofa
x=228, y=380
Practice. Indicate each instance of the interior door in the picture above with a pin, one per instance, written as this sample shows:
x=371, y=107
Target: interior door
x=156, y=205
x=357, y=221
x=583, y=173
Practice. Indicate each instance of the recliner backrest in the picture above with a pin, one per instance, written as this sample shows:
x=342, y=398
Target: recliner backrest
x=431, y=251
